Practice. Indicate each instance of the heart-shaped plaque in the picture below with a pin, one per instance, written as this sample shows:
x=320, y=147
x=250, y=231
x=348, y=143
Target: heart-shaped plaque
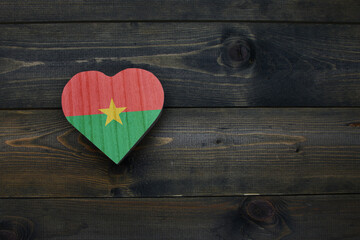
x=115, y=112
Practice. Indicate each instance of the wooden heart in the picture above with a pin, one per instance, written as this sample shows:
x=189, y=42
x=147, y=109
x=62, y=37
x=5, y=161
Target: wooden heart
x=115, y=112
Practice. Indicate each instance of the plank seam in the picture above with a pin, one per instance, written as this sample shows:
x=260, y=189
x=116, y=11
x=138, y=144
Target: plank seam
x=188, y=196
x=178, y=21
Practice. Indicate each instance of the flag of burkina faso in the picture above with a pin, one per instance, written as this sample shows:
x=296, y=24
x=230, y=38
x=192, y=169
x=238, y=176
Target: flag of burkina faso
x=113, y=112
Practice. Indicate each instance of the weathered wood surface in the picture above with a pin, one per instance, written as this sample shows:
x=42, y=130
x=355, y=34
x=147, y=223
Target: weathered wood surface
x=135, y=10
x=232, y=218
x=189, y=152
x=54, y=184
x=199, y=64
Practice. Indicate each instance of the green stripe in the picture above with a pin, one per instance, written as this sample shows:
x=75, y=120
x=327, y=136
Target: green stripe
x=115, y=140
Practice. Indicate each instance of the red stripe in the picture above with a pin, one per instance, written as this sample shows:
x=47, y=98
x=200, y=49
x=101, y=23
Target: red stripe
x=133, y=88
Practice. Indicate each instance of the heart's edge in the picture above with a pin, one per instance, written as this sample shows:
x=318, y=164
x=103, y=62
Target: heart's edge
x=140, y=138
x=108, y=76
x=134, y=145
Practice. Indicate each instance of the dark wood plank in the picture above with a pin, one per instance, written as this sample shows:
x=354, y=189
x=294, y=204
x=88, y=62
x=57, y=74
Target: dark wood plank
x=125, y=10
x=199, y=64
x=189, y=152
x=293, y=217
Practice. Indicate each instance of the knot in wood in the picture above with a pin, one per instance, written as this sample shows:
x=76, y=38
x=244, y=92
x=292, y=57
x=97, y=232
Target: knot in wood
x=260, y=210
x=237, y=53
x=14, y=228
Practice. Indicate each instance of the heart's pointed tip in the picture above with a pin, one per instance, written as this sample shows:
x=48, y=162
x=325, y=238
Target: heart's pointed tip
x=117, y=162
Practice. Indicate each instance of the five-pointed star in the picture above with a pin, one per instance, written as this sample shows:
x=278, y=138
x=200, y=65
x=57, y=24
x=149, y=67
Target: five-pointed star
x=113, y=113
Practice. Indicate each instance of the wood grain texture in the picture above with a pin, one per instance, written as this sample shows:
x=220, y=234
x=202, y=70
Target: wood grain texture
x=205, y=165
x=232, y=218
x=198, y=64
x=189, y=152
x=134, y=10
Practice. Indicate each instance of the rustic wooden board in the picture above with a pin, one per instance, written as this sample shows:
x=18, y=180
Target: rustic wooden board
x=263, y=218
x=199, y=64
x=133, y=10
x=189, y=152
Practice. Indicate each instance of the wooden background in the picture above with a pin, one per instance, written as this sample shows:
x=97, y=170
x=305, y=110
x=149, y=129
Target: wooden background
x=260, y=137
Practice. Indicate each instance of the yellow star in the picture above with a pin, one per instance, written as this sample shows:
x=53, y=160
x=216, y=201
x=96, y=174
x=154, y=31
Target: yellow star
x=113, y=113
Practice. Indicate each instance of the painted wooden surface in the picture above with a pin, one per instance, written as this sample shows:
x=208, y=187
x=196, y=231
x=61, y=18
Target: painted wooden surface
x=190, y=152
x=135, y=10
x=199, y=64
x=192, y=176
x=113, y=112
x=232, y=218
